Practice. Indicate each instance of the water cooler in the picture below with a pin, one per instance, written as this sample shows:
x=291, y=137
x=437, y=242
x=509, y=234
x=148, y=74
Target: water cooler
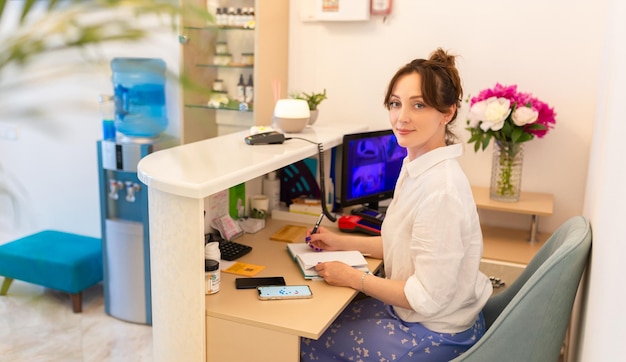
x=139, y=119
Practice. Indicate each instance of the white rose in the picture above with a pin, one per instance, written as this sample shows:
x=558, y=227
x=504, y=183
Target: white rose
x=524, y=115
x=477, y=113
x=497, y=110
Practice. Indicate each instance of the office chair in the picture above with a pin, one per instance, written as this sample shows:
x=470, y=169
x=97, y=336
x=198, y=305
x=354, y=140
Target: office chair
x=528, y=320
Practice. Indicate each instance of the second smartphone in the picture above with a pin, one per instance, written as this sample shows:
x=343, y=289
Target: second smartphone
x=251, y=283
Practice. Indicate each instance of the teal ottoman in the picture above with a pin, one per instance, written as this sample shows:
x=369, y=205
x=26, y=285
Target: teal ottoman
x=53, y=259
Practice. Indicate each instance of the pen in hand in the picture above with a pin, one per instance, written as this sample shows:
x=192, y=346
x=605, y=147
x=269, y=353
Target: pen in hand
x=317, y=225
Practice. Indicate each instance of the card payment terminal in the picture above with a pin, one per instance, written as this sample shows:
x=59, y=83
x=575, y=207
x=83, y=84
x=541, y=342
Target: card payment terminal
x=355, y=223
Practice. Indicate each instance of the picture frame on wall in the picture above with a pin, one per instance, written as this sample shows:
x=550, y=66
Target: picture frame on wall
x=334, y=10
x=380, y=7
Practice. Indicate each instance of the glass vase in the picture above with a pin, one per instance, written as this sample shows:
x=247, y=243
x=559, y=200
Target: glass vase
x=506, y=171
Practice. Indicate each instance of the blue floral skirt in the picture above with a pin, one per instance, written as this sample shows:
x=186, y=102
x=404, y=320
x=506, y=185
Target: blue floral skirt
x=369, y=330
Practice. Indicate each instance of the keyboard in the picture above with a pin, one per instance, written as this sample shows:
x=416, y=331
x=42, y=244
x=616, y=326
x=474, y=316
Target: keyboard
x=229, y=250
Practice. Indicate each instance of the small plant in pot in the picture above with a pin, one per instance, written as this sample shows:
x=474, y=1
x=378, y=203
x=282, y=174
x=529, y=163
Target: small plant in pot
x=313, y=100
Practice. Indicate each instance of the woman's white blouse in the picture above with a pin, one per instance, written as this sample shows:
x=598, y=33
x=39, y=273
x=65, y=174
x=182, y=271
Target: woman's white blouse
x=432, y=239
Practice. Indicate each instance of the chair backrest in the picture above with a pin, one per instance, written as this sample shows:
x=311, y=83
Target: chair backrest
x=528, y=320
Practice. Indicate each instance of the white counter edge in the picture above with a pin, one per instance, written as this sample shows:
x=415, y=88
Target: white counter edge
x=192, y=170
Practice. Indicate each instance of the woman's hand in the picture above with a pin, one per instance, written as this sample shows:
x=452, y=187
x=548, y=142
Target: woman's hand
x=339, y=274
x=323, y=239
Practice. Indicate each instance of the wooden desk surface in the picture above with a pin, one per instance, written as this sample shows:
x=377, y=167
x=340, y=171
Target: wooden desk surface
x=531, y=203
x=302, y=317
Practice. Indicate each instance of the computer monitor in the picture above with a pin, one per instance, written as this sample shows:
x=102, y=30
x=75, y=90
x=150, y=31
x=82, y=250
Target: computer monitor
x=371, y=163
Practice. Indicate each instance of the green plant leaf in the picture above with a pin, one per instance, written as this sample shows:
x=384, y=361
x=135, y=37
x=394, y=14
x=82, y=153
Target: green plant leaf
x=507, y=130
x=525, y=137
x=313, y=99
x=516, y=134
x=486, y=141
x=28, y=4
x=536, y=126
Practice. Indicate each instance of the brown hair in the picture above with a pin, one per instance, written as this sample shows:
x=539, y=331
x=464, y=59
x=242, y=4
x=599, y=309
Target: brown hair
x=441, y=84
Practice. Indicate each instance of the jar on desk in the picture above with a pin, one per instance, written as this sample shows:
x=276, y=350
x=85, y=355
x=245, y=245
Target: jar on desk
x=212, y=276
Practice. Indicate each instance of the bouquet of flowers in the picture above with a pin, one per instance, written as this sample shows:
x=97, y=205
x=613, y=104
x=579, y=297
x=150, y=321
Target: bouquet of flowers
x=507, y=115
x=510, y=118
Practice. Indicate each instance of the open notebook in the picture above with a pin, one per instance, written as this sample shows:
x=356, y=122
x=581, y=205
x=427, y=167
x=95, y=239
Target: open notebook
x=307, y=258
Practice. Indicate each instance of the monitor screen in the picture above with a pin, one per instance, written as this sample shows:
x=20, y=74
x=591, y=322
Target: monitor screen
x=371, y=163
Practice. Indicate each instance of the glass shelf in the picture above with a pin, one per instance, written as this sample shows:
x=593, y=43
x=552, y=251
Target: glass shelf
x=238, y=66
x=231, y=106
x=218, y=27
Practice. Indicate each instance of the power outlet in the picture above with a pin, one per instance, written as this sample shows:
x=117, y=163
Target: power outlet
x=9, y=132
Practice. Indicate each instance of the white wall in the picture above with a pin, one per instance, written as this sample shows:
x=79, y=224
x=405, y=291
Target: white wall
x=549, y=48
x=540, y=46
x=51, y=170
x=603, y=322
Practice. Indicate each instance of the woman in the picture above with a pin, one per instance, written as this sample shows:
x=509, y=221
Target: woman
x=428, y=306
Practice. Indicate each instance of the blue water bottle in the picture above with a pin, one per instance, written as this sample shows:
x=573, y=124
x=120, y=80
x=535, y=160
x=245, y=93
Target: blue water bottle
x=107, y=113
x=139, y=91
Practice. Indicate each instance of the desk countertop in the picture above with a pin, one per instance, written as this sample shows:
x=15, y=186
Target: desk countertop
x=303, y=317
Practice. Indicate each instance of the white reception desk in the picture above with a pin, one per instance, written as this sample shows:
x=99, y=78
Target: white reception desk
x=178, y=180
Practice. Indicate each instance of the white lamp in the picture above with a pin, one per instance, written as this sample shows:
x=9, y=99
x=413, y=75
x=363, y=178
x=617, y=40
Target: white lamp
x=291, y=115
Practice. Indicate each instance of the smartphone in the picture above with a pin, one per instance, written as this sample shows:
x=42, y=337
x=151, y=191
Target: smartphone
x=284, y=292
x=251, y=283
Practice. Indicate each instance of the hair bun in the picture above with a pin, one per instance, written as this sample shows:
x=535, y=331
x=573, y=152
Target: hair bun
x=440, y=56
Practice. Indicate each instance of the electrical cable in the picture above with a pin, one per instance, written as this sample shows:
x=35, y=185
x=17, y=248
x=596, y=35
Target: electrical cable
x=320, y=152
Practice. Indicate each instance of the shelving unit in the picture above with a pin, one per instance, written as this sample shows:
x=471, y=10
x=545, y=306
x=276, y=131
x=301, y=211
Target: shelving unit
x=268, y=40
x=512, y=245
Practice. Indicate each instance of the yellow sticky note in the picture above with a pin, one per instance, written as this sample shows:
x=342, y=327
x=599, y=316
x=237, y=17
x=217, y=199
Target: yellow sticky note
x=244, y=269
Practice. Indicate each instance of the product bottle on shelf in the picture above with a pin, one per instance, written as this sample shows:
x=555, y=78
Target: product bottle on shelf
x=223, y=19
x=249, y=90
x=231, y=17
x=241, y=89
x=239, y=17
x=244, y=17
x=218, y=16
x=218, y=85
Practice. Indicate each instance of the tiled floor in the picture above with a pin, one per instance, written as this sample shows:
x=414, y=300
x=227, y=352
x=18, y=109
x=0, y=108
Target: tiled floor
x=38, y=325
